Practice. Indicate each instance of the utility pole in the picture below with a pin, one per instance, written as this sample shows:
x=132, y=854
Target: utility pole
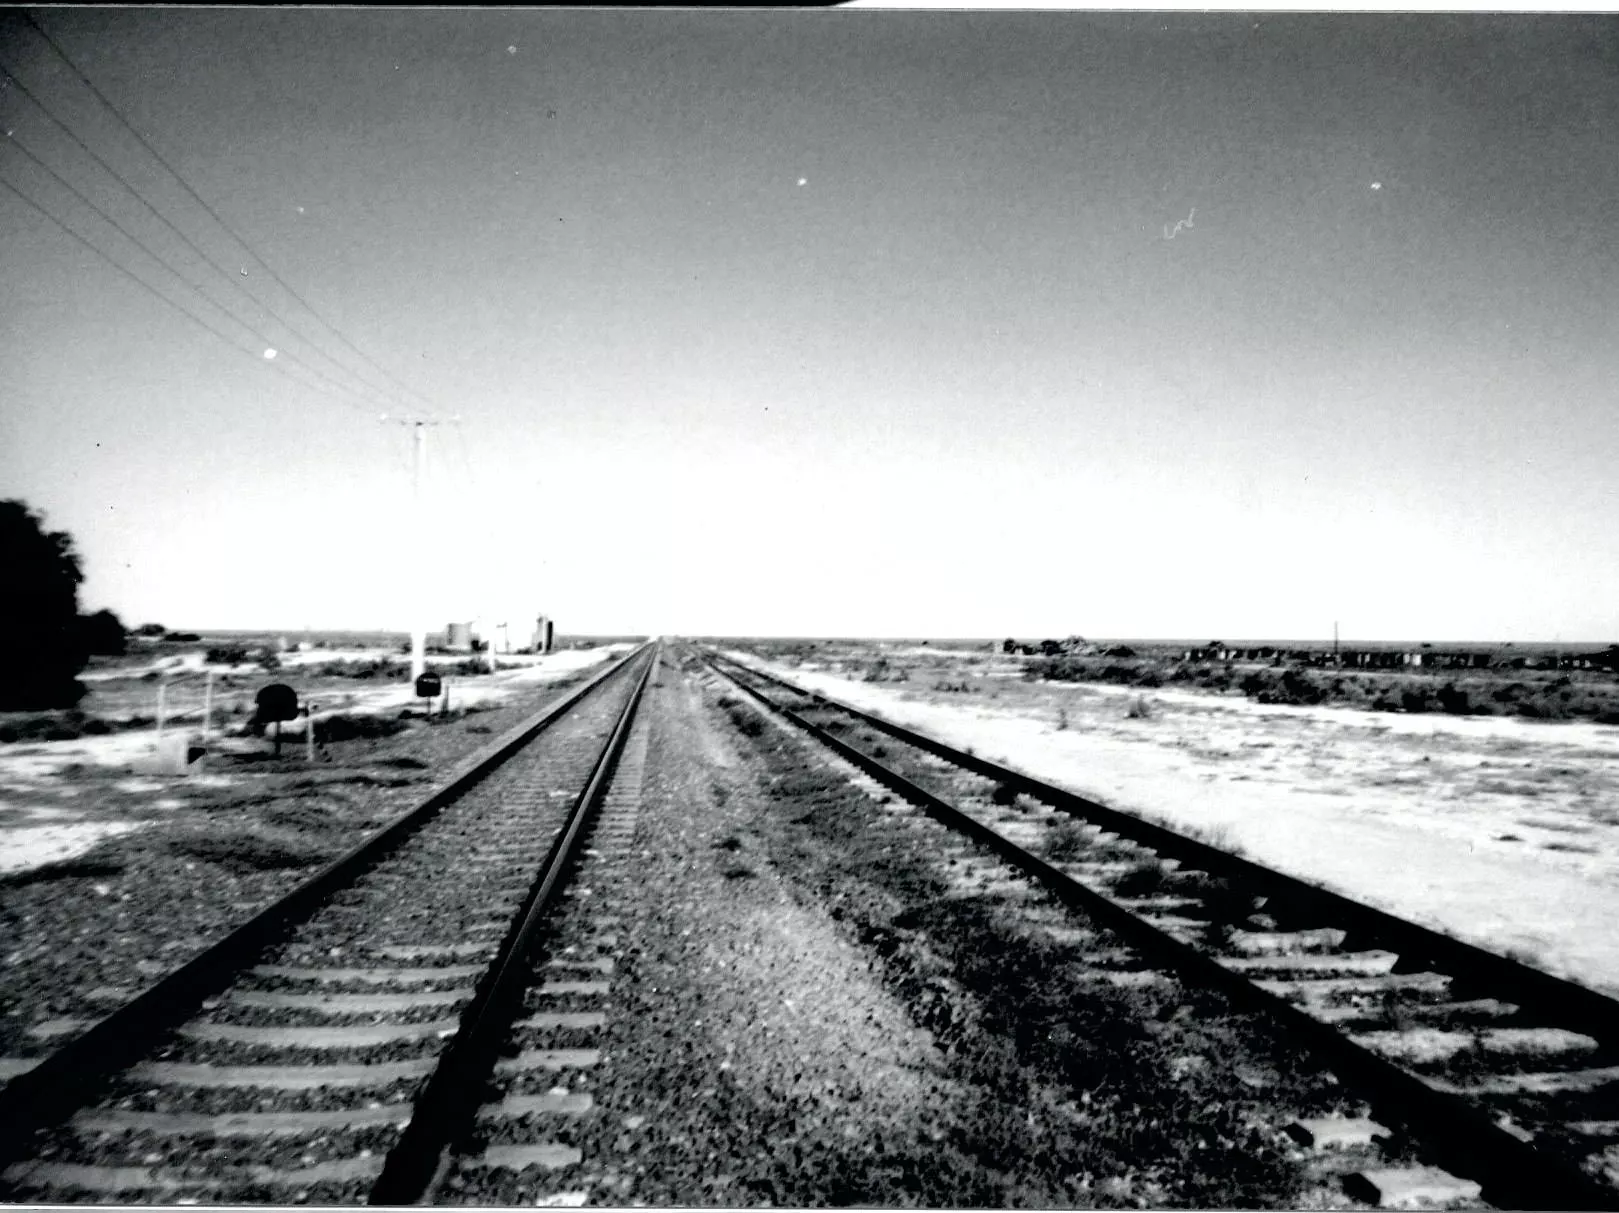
x=418, y=628
x=418, y=523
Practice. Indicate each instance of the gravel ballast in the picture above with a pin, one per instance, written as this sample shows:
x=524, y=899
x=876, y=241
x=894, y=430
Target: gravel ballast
x=807, y=1007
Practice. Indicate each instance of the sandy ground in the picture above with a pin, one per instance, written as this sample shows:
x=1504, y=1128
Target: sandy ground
x=1501, y=831
x=45, y=819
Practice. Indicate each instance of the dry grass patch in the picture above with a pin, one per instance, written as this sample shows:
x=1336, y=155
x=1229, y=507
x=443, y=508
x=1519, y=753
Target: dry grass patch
x=247, y=848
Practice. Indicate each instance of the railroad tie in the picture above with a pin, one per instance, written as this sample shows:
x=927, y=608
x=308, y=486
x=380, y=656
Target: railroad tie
x=378, y=976
x=1336, y=1132
x=239, y=1124
x=108, y=1181
x=281, y=1078
x=292, y=1037
x=1325, y=990
x=1410, y=1187
x=1374, y=962
x=1426, y=1045
x=420, y=951
x=553, y=989
x=1550, y=1083
x=349, y=1004
x=52, y=1029
x=1280, y=943
x=560, y=1020
x=10, y=1067
x=548, y=1059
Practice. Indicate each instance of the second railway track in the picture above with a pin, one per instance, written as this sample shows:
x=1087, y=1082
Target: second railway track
x=334, y=1047
x=1495, y=1071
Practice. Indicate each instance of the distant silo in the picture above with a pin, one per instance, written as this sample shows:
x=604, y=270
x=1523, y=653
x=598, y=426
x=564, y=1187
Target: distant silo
x=543, y=634
x=458, y=637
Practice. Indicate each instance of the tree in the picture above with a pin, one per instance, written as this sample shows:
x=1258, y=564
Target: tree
x=39, y=613
x=104, y=634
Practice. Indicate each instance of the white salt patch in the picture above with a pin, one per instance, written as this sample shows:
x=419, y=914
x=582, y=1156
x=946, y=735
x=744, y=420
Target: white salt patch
x=25, y=847
x=1399, y=811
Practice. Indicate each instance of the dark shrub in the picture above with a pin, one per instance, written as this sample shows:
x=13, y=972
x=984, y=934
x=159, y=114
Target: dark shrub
x=350, y=728
x=1067, y=839
x=1296, y=688
x=104, y=634
x=746, y=722
x=1453, y=700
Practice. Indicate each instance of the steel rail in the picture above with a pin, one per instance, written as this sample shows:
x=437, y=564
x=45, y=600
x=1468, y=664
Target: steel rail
x=447, y=1107
x=48, y=1094
x=1511, y=1172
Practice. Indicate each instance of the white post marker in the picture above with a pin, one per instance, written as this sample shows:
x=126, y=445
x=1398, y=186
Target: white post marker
x=161, y=688
x=309, y=732
x=207, y=708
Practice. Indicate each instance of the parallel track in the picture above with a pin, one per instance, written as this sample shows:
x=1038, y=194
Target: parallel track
x=1504, y=1074
x=337, y=1044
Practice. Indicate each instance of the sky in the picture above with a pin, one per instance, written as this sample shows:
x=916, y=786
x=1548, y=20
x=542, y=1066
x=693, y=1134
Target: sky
x=966, y=323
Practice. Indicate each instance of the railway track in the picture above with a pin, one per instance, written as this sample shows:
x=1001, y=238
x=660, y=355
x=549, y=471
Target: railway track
x=336, y=1047
x=1500, y=1081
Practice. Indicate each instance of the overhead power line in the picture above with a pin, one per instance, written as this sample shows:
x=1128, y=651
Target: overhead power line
x=233, y=281
x=213, y=214
x=163, y=264
x=255, y=355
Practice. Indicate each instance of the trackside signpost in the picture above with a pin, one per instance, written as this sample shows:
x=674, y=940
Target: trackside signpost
x=277, y=702
x=428, y=686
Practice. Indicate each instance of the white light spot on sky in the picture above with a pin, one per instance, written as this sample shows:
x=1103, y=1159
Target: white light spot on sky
x=244, y=271
x=511, y=50
x=300, y=210
x=269, y=355
x=1377, y=185
x=803, y=181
